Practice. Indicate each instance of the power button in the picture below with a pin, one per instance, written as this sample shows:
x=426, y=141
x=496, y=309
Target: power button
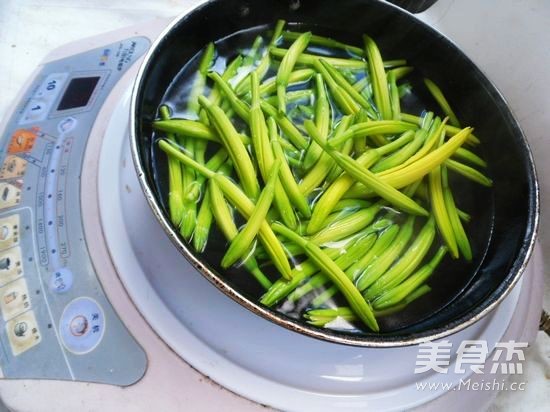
x=82, y=325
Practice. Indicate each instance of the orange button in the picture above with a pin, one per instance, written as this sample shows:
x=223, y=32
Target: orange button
x=22, y=140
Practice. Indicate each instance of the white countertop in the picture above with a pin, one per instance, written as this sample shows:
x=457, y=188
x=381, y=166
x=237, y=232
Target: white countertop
x=29, y=29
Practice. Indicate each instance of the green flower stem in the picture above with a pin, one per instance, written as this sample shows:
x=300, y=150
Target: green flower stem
x=346, y=226
x=325, y=163
x=327, y=201
x=450, y=131
x=467, y=155
x=378, y=78
x=406, y=264
x=462, y=240
x=263, y=66
x=230, y=72
x=331, y=219
x=199, y=145
x=288, y=128
x=324, y=296
x=434, y=133
x=192, y=128
x=322, y=122
x=264, y=154
x=175, y=195
x=399, y=293
x=303, y=270
x=291, y=249
x=360, y=145
x=465, y=217
x=383, y=242
x=241, y=244
x=189, y=215
x=351, y=75
x=371, y=128
x=394, y=96
x=420, y=168
x=252, y=55
x=292, y=96
x=204, y=221
x=314, y=282
x=342, y=99
x=361, y=308
x=189, y=128
x=269, y=86
x=399, y=157
x=336, y=171
x=240, y=107
x=214, y=163
x=271, y=243
x=204, y=216
x=286, y=66
x=326, y=42
x=258, y=128
x=400, y=72
x=341, y=81
x=224, y=220
x=468, y=172
x=375, y=269
x=361, y=84
x=243, y=204
x=442, y=102
x=351, y=204
x=389, y=64
x=285, y=174
x=376, y=139
x=440, y=212
x=234, y=146
x=344, y=255
x=423, y=193
x=310, y=59
x=321, y=317
x=197, y=88
x=277, y=32
x=370, y=180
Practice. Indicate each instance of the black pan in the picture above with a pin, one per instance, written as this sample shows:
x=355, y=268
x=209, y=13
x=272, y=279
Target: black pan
x=505, y=216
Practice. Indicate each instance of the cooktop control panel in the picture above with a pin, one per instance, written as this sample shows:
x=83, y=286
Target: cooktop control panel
x=55, y=320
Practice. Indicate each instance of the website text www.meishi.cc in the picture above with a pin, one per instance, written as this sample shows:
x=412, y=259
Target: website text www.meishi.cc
x=472, y=385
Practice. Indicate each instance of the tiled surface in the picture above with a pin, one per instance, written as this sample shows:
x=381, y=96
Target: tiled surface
x=29, y=29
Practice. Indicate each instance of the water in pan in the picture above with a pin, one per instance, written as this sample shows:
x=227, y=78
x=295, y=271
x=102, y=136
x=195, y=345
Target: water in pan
x=450, y=278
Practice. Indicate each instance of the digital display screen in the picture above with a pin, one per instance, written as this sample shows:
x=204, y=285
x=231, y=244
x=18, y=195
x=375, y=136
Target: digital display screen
x=78, y=93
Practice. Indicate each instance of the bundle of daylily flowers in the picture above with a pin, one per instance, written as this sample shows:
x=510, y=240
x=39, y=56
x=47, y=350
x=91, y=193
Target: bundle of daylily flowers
x=341, y=193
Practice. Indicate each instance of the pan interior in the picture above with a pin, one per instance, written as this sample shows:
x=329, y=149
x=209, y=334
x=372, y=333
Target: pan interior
x=451, y=277
x=499, y=216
